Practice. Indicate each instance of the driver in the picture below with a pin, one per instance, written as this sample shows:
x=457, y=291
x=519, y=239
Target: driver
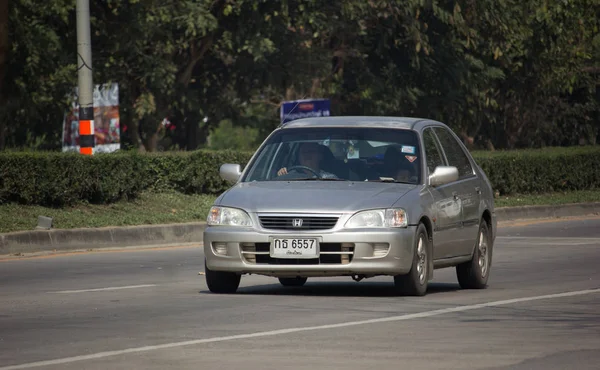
x=309, y=155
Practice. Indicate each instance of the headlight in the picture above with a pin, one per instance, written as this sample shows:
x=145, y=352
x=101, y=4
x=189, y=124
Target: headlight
x=394, y=217
x=224, y=216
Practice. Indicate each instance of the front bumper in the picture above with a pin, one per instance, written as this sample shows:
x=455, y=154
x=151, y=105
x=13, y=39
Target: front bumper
x=365, y=252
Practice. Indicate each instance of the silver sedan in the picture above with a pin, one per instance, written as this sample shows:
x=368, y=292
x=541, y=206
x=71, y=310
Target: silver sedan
x=353, y=196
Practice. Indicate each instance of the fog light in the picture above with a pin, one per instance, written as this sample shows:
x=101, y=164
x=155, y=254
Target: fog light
x=220, y=248
x=380, y=249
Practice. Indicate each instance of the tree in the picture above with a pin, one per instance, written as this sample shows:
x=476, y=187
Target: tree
x=4, y=46
x=542, y=48
x=502, y=73
x=39, y=73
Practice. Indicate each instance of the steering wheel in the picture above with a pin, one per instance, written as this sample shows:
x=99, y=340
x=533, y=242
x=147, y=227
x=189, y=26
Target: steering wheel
x=304, y=168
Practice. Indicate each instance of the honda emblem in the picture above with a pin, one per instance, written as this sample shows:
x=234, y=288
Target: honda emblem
x=297, y=222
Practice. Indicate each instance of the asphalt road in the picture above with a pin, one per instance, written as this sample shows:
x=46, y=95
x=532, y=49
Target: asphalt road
x=151, y=310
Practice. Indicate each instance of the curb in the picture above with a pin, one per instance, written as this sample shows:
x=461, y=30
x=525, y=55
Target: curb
x=100, y=238
x=548, y=211
x=160, y=235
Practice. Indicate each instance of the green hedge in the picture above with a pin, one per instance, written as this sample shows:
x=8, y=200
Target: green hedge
x=542, y=170
x=58, y=179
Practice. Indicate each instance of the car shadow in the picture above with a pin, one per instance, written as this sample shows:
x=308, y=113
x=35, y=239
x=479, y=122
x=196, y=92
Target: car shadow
x=337, y=289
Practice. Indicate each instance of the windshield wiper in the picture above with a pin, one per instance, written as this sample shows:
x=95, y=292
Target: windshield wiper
x=332, y=179
x=389, y=179
x=384, y=179
x=313, y=179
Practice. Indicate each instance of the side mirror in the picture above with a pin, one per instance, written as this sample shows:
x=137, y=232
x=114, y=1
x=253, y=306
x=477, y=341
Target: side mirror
x=230, y=172
x=443, y=175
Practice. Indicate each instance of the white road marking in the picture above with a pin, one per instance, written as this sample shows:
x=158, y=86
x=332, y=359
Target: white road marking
x=103, y=289
x=411, y=316
x=547, y=238
x=544, y=240
x=550, y=244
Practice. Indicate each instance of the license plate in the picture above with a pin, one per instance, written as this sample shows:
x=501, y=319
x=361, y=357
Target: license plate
x=294, y=248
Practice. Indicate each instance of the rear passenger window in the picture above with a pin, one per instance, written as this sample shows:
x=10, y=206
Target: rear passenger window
x=434, y=158
x=454, y=152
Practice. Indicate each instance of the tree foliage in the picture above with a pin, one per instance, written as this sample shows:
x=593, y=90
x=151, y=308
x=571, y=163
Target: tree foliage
x=501, y=73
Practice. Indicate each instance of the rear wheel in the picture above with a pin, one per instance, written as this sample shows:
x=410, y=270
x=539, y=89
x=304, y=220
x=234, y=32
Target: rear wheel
x=221, y=281
x=415, y=282
x=296, y=281
x=474, y=274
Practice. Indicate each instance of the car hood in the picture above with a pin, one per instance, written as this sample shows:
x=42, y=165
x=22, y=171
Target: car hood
x=312, y=196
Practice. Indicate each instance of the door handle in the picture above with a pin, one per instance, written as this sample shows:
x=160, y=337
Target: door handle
x=455, y=195
x=478, y=189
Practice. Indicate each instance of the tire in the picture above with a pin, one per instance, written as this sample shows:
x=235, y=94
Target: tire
x=474, y=274
x=415, y=282
x=221, y=281
x=297, y=281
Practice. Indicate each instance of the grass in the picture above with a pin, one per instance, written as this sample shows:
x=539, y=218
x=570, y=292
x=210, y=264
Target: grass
x=160, y=208
x=148, y=208
x=583, y=196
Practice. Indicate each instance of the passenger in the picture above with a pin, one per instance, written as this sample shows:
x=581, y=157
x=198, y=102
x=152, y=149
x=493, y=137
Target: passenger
x=399, y=167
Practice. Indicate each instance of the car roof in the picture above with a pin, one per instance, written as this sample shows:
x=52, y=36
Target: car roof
x=359, y=121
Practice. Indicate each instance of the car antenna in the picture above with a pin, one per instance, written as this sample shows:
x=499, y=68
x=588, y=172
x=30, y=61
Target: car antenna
x=294, y=107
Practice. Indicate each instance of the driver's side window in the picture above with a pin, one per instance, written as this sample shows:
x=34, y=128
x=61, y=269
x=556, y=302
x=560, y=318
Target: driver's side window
x=432, y=153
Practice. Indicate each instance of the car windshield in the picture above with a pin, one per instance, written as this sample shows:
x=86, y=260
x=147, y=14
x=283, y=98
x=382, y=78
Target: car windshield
x=338, y=154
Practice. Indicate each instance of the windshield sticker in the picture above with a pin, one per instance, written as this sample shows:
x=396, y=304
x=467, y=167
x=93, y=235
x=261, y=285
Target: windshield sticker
x=411, y=158
x=408, y=149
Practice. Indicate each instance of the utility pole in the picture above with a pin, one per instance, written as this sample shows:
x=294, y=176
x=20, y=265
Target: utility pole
x=84, y=72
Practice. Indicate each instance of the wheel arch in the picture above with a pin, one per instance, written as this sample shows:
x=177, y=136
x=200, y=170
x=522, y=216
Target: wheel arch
x=429, y=227
x=486, y=217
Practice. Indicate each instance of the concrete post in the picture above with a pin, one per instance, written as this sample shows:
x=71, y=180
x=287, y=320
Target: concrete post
x=86, y=86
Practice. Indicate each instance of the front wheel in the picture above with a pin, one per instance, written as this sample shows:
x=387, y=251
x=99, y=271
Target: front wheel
x=295, y=281
x=221, y=281
x=474, y=274
x=415, y=282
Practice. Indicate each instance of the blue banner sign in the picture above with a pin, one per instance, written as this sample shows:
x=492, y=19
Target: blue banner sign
x=296, y=109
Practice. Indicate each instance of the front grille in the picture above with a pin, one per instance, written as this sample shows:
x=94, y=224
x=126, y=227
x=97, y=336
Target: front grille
x=298, y=222
x=330, y=253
